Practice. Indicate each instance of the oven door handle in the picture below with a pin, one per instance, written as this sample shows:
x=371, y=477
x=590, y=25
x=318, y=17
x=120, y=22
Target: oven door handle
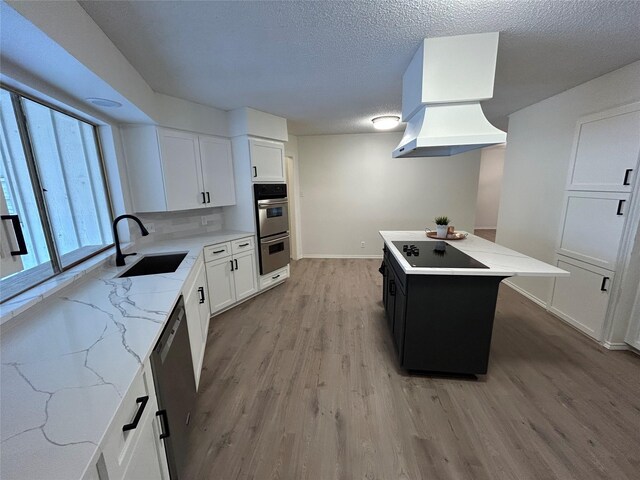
x=279, y=239
x=268, y=203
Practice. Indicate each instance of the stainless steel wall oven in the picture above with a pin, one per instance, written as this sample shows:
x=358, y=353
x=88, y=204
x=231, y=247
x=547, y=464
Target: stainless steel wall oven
x=272, y=219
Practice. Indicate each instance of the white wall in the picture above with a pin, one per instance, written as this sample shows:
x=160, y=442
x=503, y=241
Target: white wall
x=537, y=158
x=489, y=186
x=351, y=188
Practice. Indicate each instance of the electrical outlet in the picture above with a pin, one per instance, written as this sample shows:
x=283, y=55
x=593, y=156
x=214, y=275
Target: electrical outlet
x=361, y=244
x=151, y=228
x=204, y=219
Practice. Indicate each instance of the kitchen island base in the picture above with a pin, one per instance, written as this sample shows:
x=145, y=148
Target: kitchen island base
x=440, y=323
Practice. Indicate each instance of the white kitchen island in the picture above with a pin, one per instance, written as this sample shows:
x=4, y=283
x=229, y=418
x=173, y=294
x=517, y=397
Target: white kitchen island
x=440, y=298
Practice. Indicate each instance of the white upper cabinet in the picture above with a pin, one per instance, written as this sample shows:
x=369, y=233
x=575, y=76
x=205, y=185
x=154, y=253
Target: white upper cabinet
x=217, y=170
x=606, y=150
x=267, y=160
x=180, y=156
x=174, y=170
x=593, y=224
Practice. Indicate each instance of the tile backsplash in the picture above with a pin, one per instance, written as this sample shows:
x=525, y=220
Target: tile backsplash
x=179, y=224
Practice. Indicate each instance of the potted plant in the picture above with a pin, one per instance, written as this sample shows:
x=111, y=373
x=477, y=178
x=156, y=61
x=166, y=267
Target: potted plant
x=442, y=224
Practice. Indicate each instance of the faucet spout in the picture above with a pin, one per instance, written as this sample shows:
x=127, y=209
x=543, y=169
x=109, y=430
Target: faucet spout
x=119, y=255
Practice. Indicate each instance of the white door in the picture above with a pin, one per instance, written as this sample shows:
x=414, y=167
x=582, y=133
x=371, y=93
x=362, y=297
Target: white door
x=192, y=305
x=592, y=228
x=246, y=281
x=203, y=304
x=145, y=461
x=267, y=160
x=606, y=151
x=582, y=298
x=9, y=263
x=217, y=171
x=181, y=170
x=221, y=286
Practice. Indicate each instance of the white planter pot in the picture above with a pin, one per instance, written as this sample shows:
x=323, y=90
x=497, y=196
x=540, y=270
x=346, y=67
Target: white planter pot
x=441, y=231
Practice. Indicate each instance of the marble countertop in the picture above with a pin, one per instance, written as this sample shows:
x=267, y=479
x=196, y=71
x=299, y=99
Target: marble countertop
x=501, y=261
x=68, y=360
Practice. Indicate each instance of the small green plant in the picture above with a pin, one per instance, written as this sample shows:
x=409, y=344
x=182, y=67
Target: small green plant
x=443, y=220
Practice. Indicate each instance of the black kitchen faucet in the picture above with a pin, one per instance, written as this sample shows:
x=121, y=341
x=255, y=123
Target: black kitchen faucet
x=119, y=255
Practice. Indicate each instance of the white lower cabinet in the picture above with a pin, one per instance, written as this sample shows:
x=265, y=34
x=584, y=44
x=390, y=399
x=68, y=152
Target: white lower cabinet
x=582, y=298
x=274, y=278
x=136, y=453
x=232, y=276
x=196, y=304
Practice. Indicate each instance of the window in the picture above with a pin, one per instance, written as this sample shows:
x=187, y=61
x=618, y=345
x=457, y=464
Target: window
x=54, y=202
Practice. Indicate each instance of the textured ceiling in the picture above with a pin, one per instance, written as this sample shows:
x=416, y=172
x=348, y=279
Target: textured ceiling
x=329, y=66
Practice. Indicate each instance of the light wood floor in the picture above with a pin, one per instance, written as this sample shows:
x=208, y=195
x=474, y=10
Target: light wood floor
x=302, y=383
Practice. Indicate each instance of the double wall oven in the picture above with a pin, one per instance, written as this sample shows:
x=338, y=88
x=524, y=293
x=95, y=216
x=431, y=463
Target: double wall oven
x=272, y=218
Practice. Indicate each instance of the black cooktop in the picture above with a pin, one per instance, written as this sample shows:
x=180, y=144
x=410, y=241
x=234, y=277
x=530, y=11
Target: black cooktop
x=435, y=254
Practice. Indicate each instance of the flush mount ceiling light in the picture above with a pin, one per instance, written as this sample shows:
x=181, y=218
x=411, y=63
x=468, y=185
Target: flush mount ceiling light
x=103, y=102
x=386, y=122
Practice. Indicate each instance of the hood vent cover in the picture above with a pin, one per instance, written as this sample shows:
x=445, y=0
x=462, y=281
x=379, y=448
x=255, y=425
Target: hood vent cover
x=441, y=93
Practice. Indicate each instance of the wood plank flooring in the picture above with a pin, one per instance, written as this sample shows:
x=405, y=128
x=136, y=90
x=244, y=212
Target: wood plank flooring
x=302, y=383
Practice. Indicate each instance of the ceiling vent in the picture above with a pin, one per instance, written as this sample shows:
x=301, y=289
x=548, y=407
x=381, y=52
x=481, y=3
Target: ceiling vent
x=441, y=93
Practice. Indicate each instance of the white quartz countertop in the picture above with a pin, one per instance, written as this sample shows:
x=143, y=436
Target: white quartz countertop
x=501, y=261
x=68, y=361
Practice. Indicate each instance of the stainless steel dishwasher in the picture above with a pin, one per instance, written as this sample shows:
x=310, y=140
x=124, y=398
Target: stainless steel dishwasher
x=175, y=387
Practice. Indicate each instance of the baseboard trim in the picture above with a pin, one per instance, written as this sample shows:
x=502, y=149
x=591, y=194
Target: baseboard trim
x=524, y=293
x=484, y=228
x=326, y=255
x=616, y=346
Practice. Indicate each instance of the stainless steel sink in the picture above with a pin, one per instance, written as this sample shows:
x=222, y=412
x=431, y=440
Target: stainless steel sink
x=155, y=264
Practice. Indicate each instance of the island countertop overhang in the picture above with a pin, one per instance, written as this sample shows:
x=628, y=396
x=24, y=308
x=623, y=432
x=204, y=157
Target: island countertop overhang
x=501, y=261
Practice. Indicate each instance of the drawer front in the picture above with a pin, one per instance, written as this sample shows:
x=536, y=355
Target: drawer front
x=242, y=245
x=118, y=444
x=274, y=278
x=219, y=250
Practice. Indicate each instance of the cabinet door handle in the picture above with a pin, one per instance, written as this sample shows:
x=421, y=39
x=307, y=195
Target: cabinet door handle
x=165, y=424
x=201, y=292
x=231, y=262
x=603, y=285
x=204, y=198
x=208, y=198
x=236, y=261
x=17, y=228
x=143, y=403
x=243, y=245
x=255, y=172
x=620, y=204
x=218, y=251
x=626, y=176
x=392, y=288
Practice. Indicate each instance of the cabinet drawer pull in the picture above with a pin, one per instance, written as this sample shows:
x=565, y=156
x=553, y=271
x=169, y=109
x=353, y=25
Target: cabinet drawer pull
x=17, y=228
x=204, y=199
x=626, y=176
x=620, y=204
x=243, y=245
x=255, y=172
x=218, y=251
x=603, y=286
x=143, y=403
x=165, y=424
x=231, y=262
x=236, y=262
x=201, y=292
x=275, y=276
x=208, y=198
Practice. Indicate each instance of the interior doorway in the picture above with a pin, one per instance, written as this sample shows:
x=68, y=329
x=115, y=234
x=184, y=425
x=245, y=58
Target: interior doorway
x=294, y=208
x=489, y=190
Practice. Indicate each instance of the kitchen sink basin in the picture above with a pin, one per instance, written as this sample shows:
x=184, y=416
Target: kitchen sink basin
x=155, y=264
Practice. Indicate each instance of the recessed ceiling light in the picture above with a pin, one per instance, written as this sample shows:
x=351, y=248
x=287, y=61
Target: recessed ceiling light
x=386, y=122
x=103, y=102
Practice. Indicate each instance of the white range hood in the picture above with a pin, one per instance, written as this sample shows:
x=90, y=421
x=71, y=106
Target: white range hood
x=441, y=93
